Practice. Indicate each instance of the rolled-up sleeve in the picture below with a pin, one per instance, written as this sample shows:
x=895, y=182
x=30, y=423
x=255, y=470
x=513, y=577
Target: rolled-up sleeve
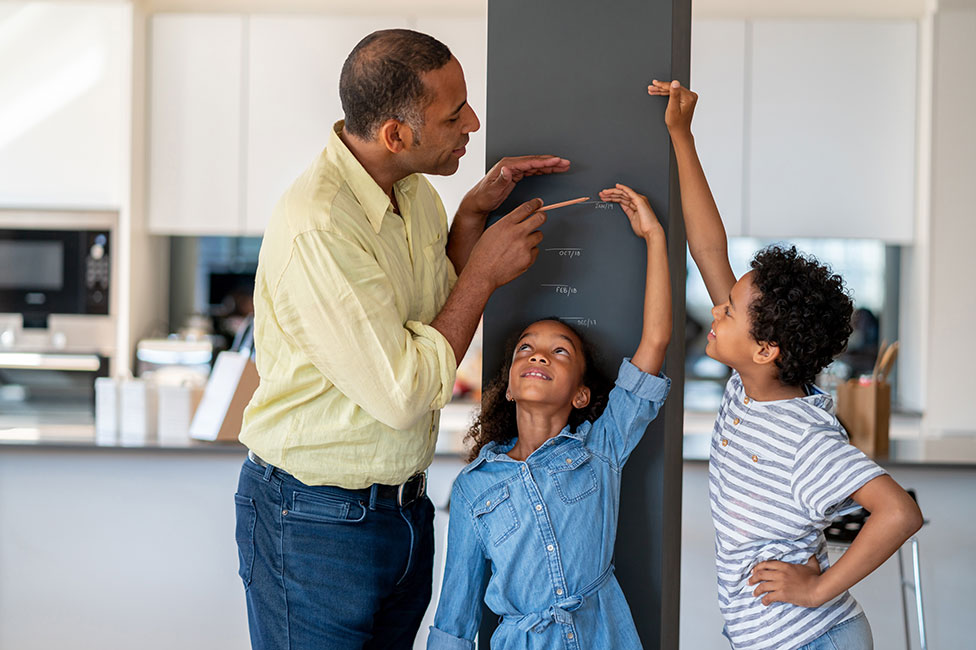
x=632, y=404
x=463, y=589
x=337, y=304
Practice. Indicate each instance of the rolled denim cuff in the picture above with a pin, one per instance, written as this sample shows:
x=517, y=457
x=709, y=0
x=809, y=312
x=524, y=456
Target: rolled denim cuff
x=441, y=640
x=653, y=388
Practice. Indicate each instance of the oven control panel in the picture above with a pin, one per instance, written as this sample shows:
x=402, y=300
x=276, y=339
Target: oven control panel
x=97, y=270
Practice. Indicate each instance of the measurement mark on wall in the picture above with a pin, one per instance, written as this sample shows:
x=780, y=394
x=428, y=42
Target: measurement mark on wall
x=567, y=252
x=564, y=289
x=582, y=321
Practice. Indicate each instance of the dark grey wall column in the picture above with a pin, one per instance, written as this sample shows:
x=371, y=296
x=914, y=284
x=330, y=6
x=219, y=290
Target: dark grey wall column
x=569, y=77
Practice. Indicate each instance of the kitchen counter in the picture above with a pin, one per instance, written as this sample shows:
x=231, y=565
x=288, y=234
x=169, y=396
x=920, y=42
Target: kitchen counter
x=908, y=446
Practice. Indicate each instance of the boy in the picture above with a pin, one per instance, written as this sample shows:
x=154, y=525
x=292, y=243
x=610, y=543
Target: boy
x=780, y=465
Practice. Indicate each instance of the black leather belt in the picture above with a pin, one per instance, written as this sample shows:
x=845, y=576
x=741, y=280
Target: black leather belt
x=404, y=494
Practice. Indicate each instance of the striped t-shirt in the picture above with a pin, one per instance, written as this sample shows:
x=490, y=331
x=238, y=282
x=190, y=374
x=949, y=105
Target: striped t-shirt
x=779, y=472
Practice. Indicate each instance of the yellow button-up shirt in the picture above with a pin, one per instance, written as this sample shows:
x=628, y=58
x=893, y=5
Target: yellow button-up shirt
x=352, y=375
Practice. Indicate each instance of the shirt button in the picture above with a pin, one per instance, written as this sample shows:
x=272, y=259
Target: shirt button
x=487, y=503
x=550, y=548
x=725, y=442
x=569, y=636
x=569, y=461
x=559, y=591
x=746, y=400
x=736, y=421
x=538, y=506
x=755, y=459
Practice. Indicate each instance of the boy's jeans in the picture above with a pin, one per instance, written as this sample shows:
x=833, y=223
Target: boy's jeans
x=852, y=634
x=323, y=570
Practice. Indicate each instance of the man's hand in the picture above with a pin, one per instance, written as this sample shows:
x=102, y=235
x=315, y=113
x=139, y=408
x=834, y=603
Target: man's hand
x=492, y=190
x=643, y=221
x=509, y=246
x=782, y=582
x=681, y=104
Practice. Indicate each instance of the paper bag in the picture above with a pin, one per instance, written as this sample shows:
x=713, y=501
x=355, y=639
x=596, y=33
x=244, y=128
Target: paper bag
x=232, y=383
x=865, y=411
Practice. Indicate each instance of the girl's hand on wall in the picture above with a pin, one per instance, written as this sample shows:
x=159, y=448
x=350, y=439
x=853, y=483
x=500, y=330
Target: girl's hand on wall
x=637, y=208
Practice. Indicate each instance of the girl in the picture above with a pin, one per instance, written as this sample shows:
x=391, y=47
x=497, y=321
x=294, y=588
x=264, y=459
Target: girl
x=780, y=465
x=540, y=498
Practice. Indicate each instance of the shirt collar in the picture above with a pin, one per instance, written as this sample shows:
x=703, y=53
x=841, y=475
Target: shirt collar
x=494, y=450
x=368, y=193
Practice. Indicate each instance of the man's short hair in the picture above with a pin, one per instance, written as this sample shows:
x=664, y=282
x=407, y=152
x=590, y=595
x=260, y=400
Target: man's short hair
x=380, y=79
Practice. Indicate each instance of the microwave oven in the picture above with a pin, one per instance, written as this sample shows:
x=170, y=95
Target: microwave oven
x=57, y=281
x=44, y=272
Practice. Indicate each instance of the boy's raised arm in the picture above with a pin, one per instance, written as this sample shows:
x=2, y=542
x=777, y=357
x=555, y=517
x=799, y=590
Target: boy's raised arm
x=703, y=223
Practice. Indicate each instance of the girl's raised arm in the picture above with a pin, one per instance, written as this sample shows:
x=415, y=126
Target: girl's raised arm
x=656, y=332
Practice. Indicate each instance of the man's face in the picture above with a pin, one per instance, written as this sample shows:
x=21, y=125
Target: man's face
x=448, y=120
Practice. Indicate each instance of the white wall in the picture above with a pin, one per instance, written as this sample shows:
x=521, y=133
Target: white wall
x=951, y=356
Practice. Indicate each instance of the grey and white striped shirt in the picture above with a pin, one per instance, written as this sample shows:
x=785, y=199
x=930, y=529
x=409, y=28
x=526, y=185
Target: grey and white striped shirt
x=779, y=472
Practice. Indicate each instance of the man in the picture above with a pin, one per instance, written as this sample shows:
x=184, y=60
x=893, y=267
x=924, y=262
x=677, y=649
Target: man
x=364, y=305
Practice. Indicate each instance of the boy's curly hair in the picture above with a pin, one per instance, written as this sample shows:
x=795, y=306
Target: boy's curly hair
x=802, y=307
x=496, y=421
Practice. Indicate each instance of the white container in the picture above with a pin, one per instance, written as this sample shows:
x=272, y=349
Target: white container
x=137, y=422
x=106, y=410
x=176, y=405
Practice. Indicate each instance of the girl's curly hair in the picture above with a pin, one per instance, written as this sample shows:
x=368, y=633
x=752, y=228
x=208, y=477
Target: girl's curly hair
x=496, y=421
x=803, y=308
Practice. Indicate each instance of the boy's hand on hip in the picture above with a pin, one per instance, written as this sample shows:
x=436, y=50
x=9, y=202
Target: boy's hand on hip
x=783, y=582
x=509, y=246
x=681, y=104
x=492, y=190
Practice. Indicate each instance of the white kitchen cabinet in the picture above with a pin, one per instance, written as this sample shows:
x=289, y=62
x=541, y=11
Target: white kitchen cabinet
x=468, y=39
x=831, y=129
x=293, y=98
x=718, y=75
x=64, y=104
x=196, y=118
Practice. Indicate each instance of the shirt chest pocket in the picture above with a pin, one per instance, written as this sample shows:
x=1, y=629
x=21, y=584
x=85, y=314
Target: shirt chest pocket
x=573, y=474
x=438, y=280
x=496, y=514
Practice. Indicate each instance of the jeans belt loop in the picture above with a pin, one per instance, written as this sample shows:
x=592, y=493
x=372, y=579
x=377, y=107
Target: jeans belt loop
x=373, y=493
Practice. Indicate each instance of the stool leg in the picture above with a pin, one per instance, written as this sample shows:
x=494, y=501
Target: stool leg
x=918, y=594
x=904, y=601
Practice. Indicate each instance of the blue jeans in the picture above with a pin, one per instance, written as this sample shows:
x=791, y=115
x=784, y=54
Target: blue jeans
x=852, y=634
x=323, y=570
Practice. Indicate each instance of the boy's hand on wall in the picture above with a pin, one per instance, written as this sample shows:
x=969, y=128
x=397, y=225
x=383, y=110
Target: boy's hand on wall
x=787, y=583
x=681, y=104
x=637, y=208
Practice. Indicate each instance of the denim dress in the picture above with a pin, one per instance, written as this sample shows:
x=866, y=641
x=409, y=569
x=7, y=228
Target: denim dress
x=548, y=526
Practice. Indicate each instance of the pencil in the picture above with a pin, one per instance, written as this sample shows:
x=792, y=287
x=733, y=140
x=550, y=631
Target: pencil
x=562, y=204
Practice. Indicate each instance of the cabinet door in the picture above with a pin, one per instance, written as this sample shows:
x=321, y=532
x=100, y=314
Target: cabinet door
x=64, y=104
x=468, y=39
x=293, y=98
x=718, y=56
x=832, y=129
x=195, y=124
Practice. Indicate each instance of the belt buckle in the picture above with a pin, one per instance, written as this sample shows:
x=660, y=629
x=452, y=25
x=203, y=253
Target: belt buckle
x=420, y=480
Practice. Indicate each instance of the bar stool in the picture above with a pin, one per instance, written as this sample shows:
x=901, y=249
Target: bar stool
x=842, y=531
